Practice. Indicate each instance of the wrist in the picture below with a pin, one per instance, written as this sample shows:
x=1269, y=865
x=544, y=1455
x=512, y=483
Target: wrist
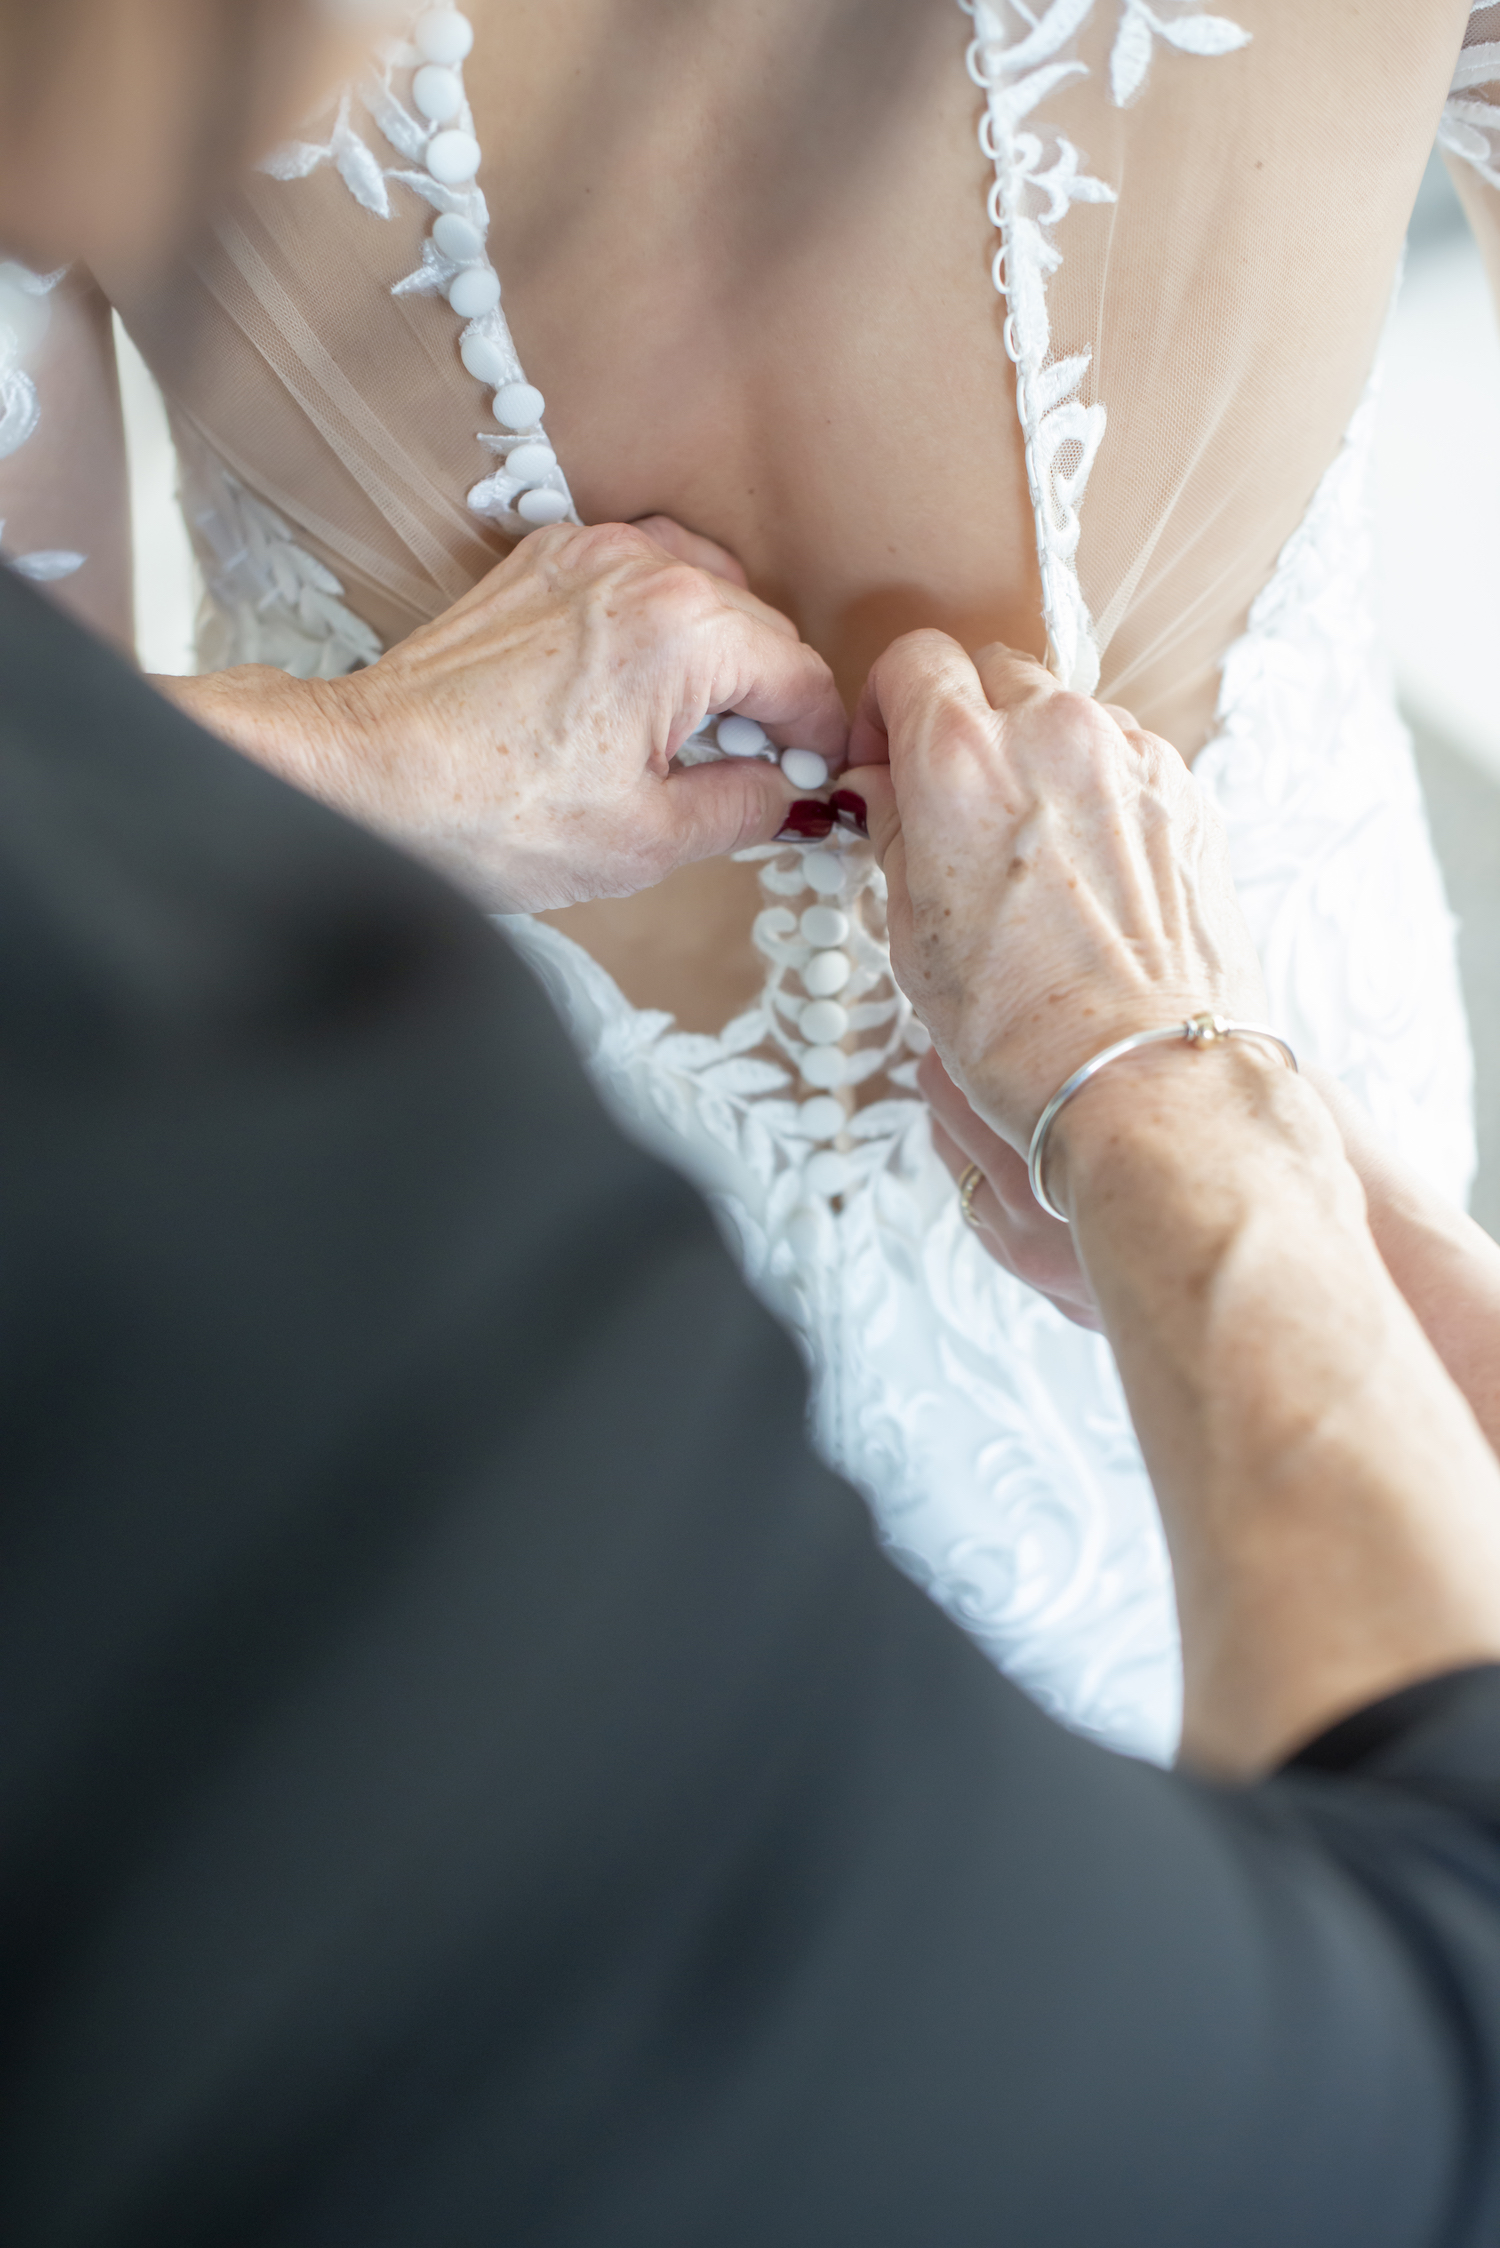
x=305, y=731
x=1163, y=1116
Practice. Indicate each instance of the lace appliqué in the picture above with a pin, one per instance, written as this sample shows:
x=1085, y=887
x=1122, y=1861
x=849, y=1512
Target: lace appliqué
x=1470, y=128
x=740, y=1085
x=1331, y=855
x=990, y=1437
x=1038, y=177
x=366, y=178
x=271, y=601
x=20, y=408
x=879, y=1035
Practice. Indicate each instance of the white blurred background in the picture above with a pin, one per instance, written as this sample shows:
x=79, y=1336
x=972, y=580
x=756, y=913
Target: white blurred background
x=1438, y=508
x=1438, y=502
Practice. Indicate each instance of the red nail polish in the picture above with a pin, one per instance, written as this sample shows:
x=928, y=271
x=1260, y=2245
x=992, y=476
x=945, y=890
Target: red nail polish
x=851, y=809
x=807, y=821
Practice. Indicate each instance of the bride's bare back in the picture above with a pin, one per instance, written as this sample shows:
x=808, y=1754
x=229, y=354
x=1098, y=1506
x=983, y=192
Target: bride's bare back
x=745, y=252
x=776, y=221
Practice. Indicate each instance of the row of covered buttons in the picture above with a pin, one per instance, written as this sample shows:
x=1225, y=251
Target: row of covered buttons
x=444, y=38
x=741, y=737
x=822, y=1022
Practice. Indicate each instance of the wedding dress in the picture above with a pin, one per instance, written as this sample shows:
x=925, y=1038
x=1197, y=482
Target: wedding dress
x=1173, y=434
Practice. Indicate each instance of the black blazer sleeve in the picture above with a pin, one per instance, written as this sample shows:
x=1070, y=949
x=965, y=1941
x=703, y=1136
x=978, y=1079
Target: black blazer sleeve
x=467, y=1775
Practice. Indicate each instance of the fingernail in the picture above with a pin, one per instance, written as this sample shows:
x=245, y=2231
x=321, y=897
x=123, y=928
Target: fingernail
x=851, y=810
x=806, y=821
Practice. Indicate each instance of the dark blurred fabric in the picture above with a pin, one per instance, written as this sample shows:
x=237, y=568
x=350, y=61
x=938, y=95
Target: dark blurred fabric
x=466, y=1773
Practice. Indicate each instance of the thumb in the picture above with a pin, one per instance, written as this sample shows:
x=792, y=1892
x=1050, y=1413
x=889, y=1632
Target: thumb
x=874, y=784
x=710, y=810
x=691, y=547
x=883, y=818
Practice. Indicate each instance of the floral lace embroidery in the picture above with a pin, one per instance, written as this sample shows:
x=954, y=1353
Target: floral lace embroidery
x=494, y=496
x=880, y=1036
x=271, y=601
x=1470, y=128
x=20, y=414
x=276, y=598
x=1040, y=167
x=744, y=1108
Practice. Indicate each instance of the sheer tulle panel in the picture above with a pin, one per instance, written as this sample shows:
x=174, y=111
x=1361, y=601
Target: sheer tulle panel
x=1232, y=299
x=345, y=408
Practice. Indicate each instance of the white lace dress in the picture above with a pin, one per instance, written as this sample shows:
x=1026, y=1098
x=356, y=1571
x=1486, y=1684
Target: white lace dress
x=989, y=1435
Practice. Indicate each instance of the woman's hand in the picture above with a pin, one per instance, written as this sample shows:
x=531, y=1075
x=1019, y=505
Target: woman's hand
x=523, y=741
x=1057, y=879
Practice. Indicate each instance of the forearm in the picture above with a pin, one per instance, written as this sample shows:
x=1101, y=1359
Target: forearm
x=355, y=748
x=524, y=742
x=321, y=735
x=1446, y=1266
x=294, y=727
x=1448, y=1269
x=1333, y=1511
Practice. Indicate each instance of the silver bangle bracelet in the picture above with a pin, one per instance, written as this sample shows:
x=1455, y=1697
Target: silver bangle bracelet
x=1198, y=1030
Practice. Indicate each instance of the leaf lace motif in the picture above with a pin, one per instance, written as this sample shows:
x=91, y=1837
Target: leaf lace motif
x=366, y=178
x=1039, y=176
x=1470, y=127
x=1190, y=35
x=20, y=416
x=874, y=1002
x=273, y=601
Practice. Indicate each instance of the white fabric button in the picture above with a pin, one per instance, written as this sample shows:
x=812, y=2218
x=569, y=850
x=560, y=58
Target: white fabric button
x=741, y=737
x=824, y=924
x=438, y=93
x=541, y=507
x=824, y=873
x=452, y=158
x=824, y=1066
x=826, y=973
x=828, y=1172
x=804, y=768
x=821, y=1118
x=444, y=36
x=530, y=464
x=475, y=292
x=520, y=405
x=918, y=1037
x=823, y=1022
x=457, y=239
x=484, y=359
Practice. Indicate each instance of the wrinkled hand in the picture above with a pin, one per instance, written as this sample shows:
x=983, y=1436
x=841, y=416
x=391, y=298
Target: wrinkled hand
x=522, y=742
x=1057, y=878
x=534, y=724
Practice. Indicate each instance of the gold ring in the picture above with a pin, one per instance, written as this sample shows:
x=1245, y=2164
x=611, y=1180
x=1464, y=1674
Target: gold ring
x=968, y=1186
